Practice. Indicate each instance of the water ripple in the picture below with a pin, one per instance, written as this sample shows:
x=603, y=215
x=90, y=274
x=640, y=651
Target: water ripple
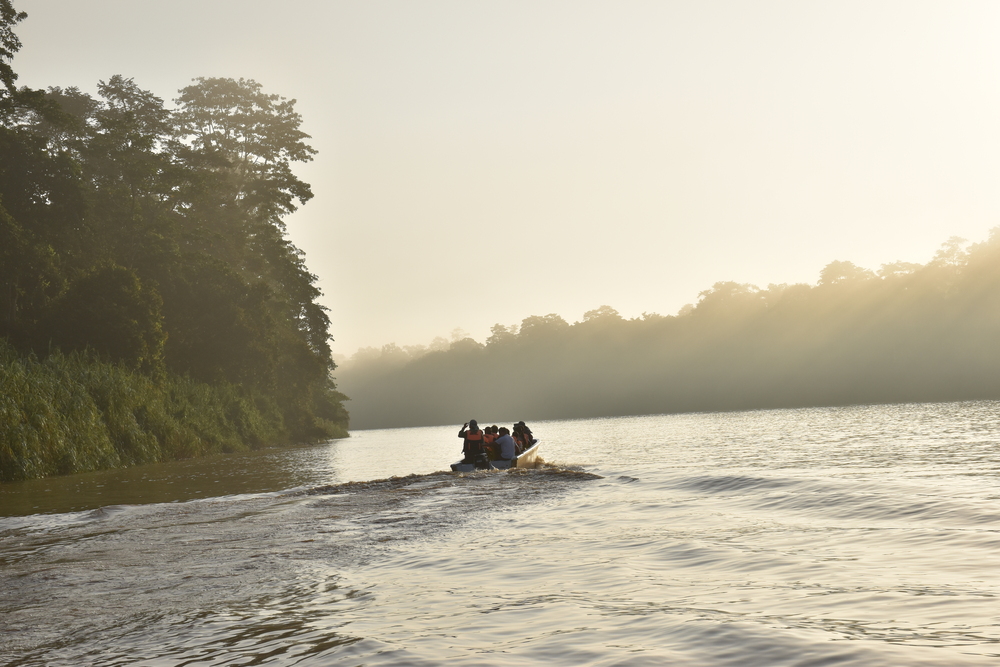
x=848, y=536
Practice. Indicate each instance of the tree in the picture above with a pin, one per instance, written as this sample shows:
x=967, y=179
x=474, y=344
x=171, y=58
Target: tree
x=29, y=279
x=242, y=142
x=109, y=311
x=253, y=137
x=500, y=334
x=40, y=189
x=952, y=252
x=126, y=168
x=10, y=96
x=257, y=133
x=218, y=327
x=729, y=298
x=896, y=269
x=843, y=272
x=538, y=326
x=602, y=314
x=41, y=212
x=9, y=45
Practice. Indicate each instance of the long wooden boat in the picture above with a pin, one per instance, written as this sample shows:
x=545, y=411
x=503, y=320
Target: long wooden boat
x=525, y=459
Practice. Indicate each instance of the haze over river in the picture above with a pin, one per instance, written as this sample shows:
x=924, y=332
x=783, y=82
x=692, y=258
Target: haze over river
x=855, y=536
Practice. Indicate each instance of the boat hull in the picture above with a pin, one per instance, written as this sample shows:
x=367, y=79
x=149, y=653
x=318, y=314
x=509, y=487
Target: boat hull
x=526, y=459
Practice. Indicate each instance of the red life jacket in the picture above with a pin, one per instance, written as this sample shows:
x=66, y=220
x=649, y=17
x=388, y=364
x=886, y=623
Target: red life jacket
x=489, y=438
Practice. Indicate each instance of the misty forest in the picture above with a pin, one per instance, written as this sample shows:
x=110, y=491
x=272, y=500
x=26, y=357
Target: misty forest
x=909, y=332
x=151, y=304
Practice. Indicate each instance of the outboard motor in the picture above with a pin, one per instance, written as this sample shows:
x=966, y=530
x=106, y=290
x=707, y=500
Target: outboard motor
x=483, y=461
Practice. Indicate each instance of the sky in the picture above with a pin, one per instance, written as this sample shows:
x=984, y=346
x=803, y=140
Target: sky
x=480, y=162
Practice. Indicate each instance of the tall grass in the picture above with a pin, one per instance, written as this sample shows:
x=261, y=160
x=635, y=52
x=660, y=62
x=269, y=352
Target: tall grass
x=73, y=413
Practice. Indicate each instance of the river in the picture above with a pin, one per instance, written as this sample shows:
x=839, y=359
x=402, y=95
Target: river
x=835, y=536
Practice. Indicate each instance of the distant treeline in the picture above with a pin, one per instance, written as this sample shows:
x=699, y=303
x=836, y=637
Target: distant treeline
x=910, y=332
x=149, y=242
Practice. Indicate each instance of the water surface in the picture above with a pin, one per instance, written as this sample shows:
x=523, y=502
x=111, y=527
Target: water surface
x=842, y=536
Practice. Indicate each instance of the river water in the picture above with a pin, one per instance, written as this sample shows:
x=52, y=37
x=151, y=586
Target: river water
x=838, y=536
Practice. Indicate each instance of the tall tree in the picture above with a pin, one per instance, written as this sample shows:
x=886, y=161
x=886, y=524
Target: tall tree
x=130, y=176
x=258, y=134
x=9, y=45
x=254, y=137
x=243, y=141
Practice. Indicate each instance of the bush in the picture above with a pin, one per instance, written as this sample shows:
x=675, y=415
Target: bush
x=74, y=413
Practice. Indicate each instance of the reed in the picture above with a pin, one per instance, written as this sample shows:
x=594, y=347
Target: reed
x=74, y=413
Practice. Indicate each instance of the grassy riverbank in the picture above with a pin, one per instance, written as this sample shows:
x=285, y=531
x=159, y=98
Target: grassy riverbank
x=72, y=413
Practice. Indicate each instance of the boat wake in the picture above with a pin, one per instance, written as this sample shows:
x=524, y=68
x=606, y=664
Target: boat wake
x=541, y=473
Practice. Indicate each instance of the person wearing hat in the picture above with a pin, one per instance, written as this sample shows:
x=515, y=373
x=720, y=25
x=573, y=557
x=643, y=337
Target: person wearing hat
x=473, y=441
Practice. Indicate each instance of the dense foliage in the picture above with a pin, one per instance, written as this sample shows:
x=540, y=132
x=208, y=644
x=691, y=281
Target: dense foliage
x=152, y=239
x=907, y=333
x=71, y=413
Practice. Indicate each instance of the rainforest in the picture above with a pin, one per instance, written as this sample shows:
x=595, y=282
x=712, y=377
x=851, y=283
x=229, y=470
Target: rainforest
x=151, y=303
x=908, y=332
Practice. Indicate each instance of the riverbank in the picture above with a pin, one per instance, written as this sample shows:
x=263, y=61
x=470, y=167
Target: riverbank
x=73, y=413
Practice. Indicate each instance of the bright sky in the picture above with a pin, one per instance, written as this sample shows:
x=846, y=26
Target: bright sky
x=480, y=162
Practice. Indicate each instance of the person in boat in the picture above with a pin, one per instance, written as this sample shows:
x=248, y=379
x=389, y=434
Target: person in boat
x=489, y=437
x=522, y=436
x=472, y=448
x=494, y=449
x=529, y=439
x=506, y=445
x=518, y=438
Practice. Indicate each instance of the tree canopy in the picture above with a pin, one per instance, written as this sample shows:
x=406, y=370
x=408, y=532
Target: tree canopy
x=155, y=237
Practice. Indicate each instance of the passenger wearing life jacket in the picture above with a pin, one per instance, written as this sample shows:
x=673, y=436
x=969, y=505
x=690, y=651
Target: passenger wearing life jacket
x=529, y=439
x=522, y=436
x=472, y=448
x=490, y=435
x=518, y=437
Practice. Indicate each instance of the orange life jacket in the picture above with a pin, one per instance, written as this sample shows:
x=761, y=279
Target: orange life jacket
x=473, y=442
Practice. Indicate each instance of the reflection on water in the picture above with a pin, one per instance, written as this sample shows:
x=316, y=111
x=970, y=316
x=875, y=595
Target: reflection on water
x=232, y=474
x=176, y=481
x=861, y=536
